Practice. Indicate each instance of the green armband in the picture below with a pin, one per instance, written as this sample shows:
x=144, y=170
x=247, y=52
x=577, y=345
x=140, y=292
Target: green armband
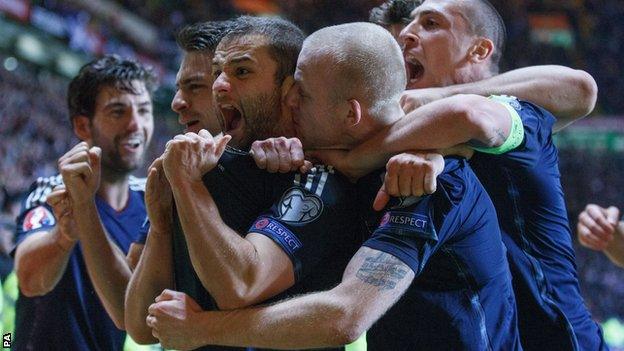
x=516, y=134
x=358, y=345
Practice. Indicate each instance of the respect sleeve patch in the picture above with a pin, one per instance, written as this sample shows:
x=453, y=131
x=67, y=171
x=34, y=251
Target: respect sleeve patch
x=408, y=224
x=277, y=232
x=37, y=218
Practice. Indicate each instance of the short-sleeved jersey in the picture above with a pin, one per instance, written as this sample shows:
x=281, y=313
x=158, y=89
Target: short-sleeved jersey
x=461, y=297
x=525, y=186
x=71, y=316
x=312, y=217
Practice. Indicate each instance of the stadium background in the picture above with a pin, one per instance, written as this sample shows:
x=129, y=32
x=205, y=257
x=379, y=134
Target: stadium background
x=44, y=43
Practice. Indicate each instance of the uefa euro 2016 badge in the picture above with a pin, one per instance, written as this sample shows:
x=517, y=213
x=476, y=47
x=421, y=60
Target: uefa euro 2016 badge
x=37, y=218
x=297, y=207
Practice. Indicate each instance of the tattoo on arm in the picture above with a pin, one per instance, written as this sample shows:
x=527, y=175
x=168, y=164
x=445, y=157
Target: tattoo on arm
x=382, y=270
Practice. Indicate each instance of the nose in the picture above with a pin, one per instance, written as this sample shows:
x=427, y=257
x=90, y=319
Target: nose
x=408, y=36
x=135, y=121
x=179, y=103
x=221, y=85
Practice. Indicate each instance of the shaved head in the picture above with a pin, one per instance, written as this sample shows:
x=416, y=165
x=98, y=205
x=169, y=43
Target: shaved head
x=362, y=60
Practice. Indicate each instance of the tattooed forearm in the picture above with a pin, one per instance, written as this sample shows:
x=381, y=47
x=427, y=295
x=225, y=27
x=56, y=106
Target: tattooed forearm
x=383, y=271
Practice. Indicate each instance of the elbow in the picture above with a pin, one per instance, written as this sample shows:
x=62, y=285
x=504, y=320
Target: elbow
x=139, y=332
x=346, y=329
x=29, y=282
x=588, y=91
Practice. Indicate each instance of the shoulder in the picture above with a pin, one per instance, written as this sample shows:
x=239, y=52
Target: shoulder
x=40, y=189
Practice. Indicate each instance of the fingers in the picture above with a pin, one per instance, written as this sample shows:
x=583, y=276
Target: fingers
x=167, y=295
x=595, y=219
x=587, y=239
x=381, y=200
x=613, y=215
x=391, y=179
x=258, y=154
x=95, y=154
x=79, y=148
x=221, y=144
x=306, y=167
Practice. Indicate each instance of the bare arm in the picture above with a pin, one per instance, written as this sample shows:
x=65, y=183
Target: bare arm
x=439, y=125
x=154, y=272
x=568, y=93
x=106, y=264
x=40, y=261
x=236, y=271
x=372, y=283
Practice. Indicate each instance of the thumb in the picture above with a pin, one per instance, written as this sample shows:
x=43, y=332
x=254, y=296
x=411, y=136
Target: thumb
x=95, y=154
x=221, y=144
x=166, y=295
x=613, y=214
x=381, y=199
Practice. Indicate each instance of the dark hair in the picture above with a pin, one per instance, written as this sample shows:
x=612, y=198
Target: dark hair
x=485, y=21
x=393, y=12
x=203, y=36
x=284, y=40
x=110, y=70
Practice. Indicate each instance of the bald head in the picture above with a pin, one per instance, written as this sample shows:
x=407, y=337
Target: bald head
x=362, y=61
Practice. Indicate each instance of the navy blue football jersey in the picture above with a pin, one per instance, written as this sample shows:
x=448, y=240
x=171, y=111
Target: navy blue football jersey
x=312, y=217
x=461, y=297
x=526, y=190
x=71, y=316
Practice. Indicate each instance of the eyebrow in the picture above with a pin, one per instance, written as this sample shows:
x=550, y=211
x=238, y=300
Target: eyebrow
x=192, y=78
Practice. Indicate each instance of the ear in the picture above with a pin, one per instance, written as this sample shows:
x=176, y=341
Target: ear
x=285, y=88
x=354, y=115
x=82, y=128
x=481, y=50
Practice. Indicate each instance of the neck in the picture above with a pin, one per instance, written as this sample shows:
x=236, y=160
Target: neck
x=472, y=73
x=372, y=124
x=114, y=188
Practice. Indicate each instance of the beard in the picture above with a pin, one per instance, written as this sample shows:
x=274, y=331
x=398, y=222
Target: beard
x=112, y=158
x=261, y=114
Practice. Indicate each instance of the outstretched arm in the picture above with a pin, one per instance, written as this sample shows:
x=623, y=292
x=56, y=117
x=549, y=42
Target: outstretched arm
x=568, y=93
x=372, y=283
x=439, y=125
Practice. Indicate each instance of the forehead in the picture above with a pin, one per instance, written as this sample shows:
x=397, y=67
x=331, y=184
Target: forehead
x=110, y=94
x=195, y=62
x=243, y=48
x=451, y=9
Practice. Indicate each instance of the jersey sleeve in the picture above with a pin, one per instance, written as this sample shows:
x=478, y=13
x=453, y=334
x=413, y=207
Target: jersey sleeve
x=35, y=214
x=415, y=232
x=537, y=124
x=311, y=219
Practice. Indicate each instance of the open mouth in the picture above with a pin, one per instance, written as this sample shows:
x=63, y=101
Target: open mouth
x=132, y=143
x=414, y=69
x=232, y=117
x=191, y=126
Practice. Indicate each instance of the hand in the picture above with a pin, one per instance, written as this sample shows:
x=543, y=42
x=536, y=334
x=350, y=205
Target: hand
x=80, y=168
x=61, y=205
x=413, y=99
x=158, y=198
x=188, y=157
x=173, y=319
x=280, y=155
x=409, y=174
x=596, y=226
